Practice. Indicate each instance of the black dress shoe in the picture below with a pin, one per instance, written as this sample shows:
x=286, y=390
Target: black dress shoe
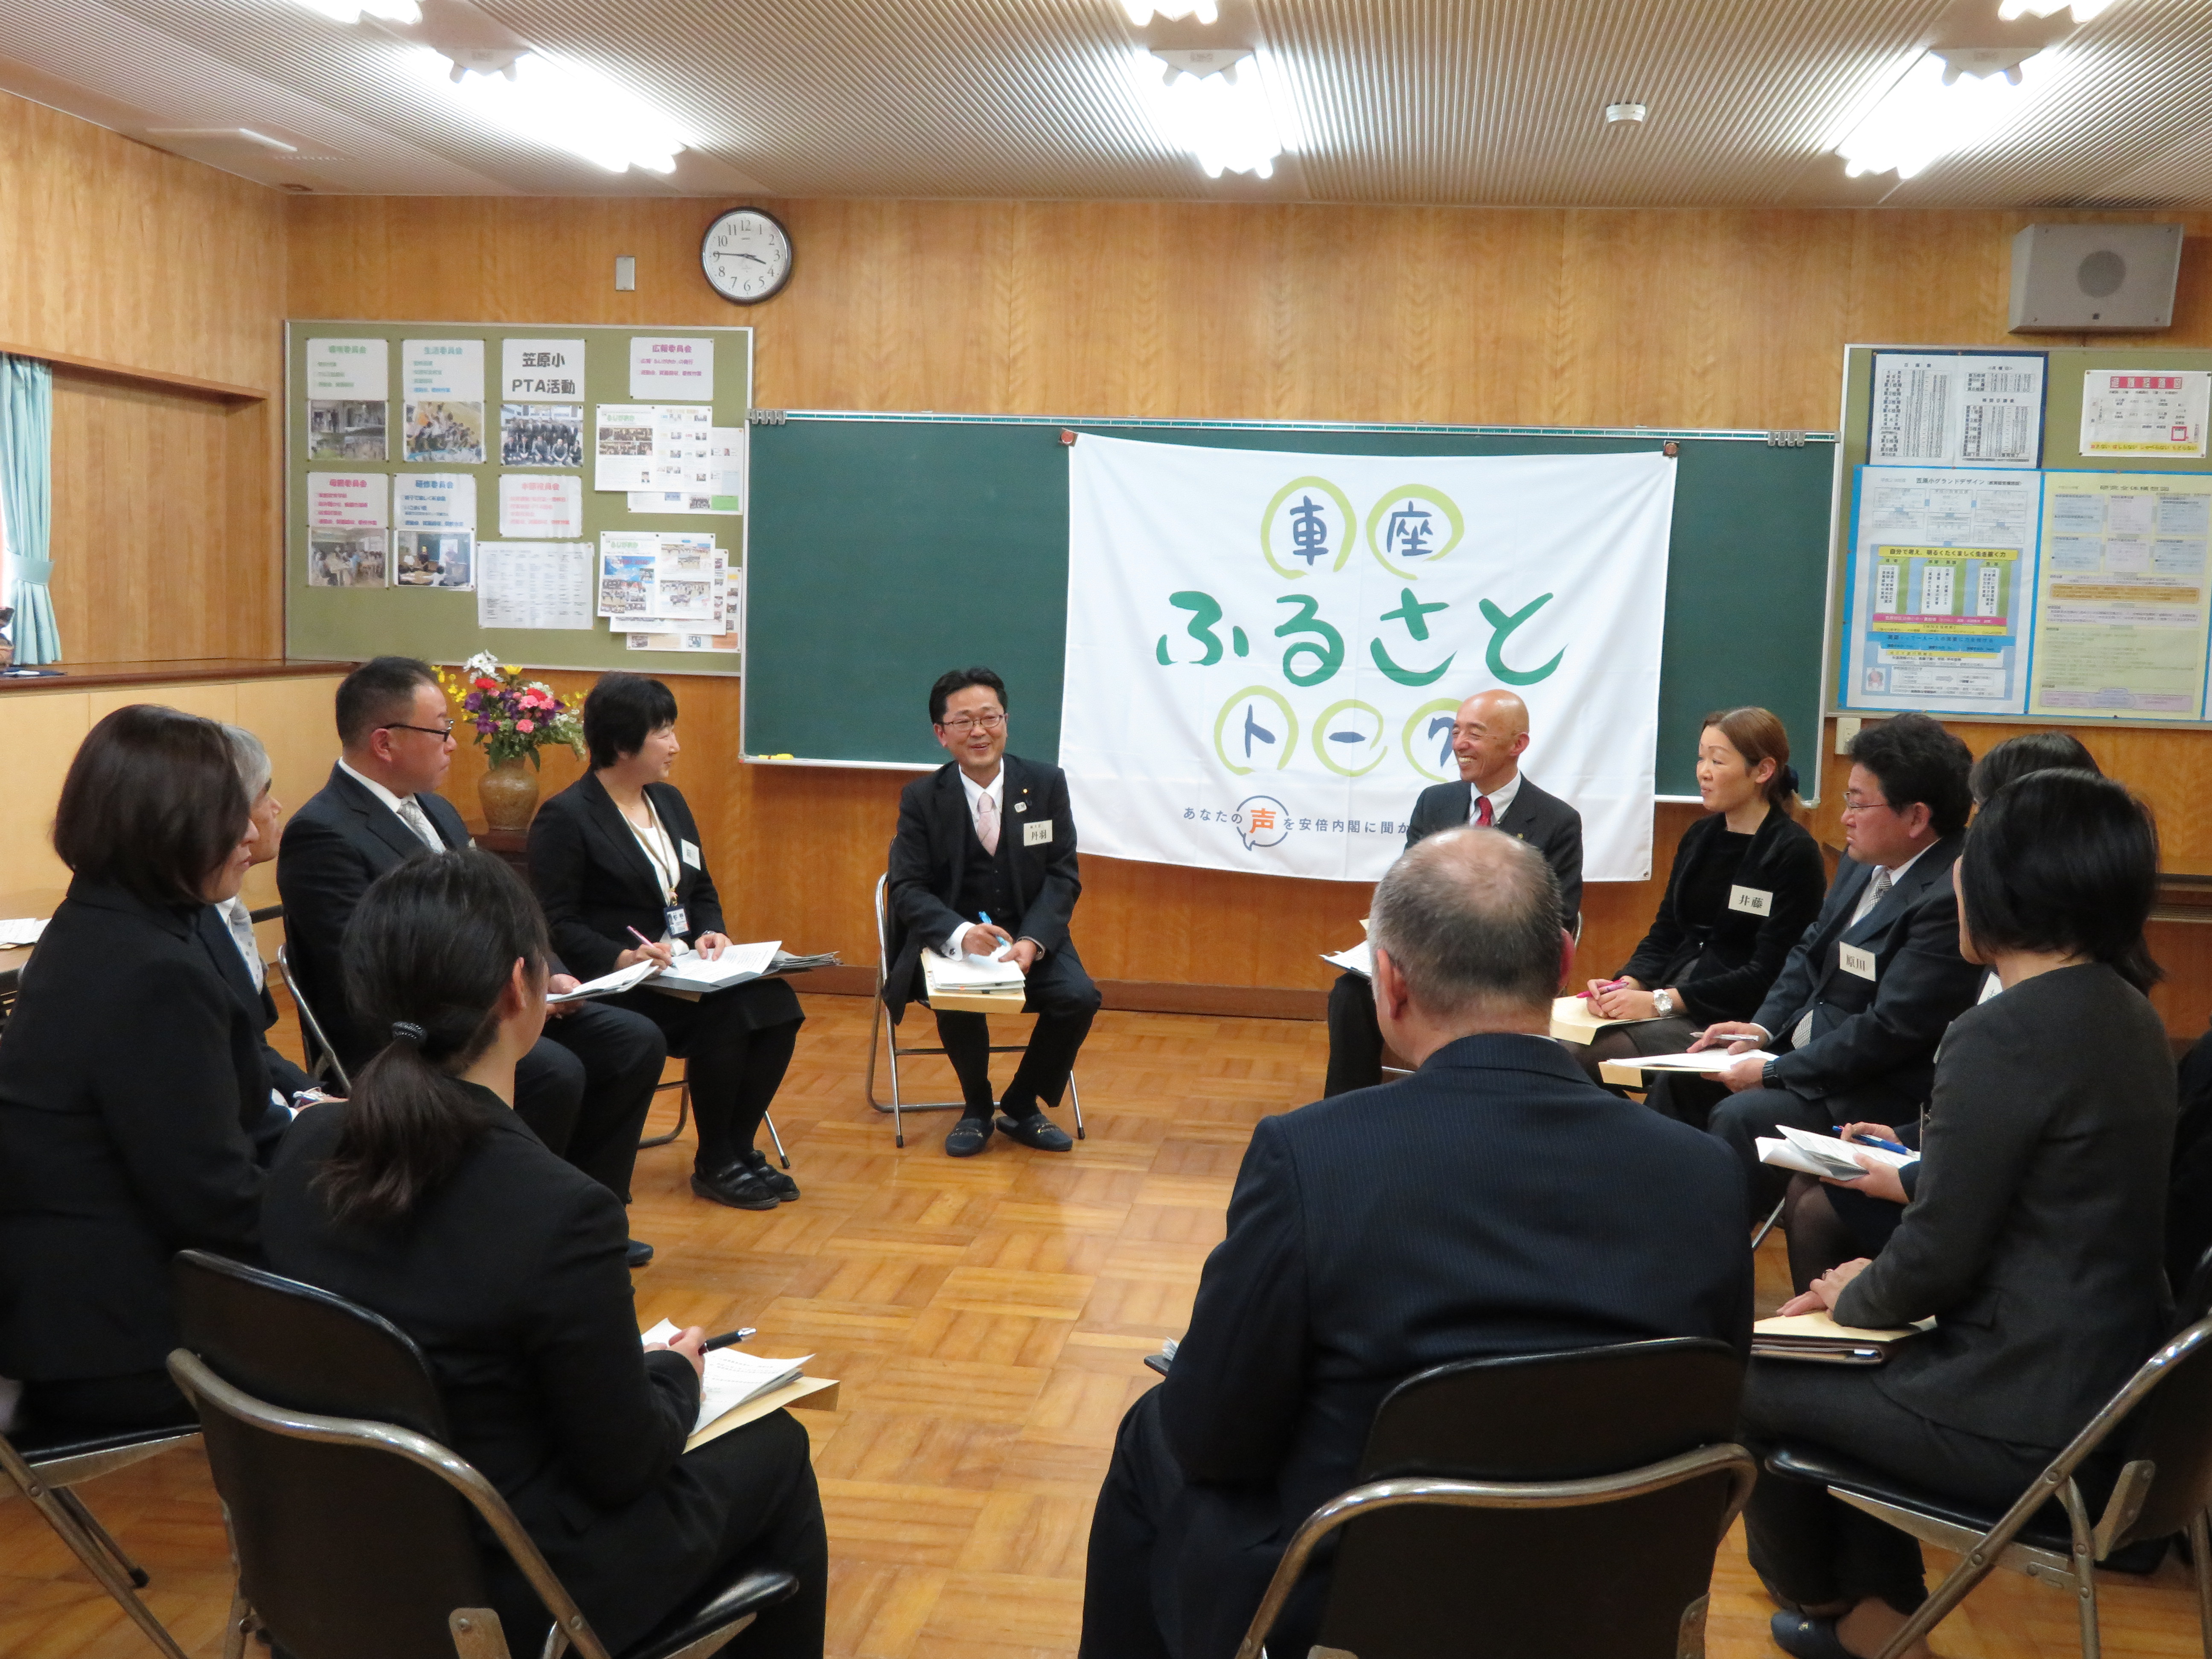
x=737, y=1186
x=773, y=1179
x=639, y=1253
x=968, y=1137
x=1038, y=1131
x=1805, y=1637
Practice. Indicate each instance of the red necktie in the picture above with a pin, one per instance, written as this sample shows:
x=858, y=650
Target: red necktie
x=1482, y=811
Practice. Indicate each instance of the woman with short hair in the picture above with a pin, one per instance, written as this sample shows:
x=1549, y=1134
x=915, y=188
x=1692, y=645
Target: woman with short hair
x=616, y=860
x=2035, y=1238
x=129, y=1076
x=423, y=1197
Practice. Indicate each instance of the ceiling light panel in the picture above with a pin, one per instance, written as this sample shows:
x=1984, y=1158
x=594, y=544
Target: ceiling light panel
x=561, y=106
x=1933, y=111
x=1210, y=104
x=1142, y=12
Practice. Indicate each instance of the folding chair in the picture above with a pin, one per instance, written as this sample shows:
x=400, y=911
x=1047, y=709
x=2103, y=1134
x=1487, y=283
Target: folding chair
x=1488, y=1484
x=682, y=1082
x=355, y=1528
x=882, y=1031
x=44, y=1465
x=2164, y=1488
x=322, y=1059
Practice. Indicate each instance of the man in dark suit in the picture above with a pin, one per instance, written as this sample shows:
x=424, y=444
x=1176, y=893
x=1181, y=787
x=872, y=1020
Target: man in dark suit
x=984, y=858
x=1867, y=991
x=1490, y=734
x=588, y=1084
x=1382, y=1232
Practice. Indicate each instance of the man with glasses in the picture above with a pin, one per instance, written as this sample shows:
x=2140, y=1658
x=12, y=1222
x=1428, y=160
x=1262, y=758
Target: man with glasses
x=588, y=1084
x=984, y=859
x=1867, y=991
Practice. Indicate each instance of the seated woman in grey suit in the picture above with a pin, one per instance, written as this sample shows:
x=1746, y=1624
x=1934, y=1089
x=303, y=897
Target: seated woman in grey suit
x=425, y=1197
x=616, y=860
x=129, y=1076
x=2035, y=1235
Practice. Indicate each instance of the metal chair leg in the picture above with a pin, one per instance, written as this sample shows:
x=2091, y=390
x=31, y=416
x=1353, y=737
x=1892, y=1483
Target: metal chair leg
x=1076, y=1101
x=2200, y=1551
x=236, y=1633
x=2085, y=1568
x=90, y=1523
x=1767, y=1226
x=782, y=1156
x=899, y=1124
x=100, y=1564
x=683, y=1113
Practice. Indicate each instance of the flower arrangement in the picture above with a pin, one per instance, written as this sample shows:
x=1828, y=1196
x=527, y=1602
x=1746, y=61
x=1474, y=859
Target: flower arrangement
x=512, y=717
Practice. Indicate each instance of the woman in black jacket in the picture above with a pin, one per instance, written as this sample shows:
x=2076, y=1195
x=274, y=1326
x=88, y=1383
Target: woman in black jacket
x=424, y=1197
x=1747, y=882
x=616, y=860
x=129, y=1075
x=2034, y=1238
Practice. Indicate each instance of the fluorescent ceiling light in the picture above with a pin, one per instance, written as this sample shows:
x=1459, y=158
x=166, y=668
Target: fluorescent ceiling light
x=1212, y=104
x=1936, y=109
x=562, y=106
x=352, y=11
x=2083, y=10
x=1142, y=12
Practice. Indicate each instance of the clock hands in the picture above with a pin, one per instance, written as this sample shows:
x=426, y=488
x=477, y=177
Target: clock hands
x=755, y=257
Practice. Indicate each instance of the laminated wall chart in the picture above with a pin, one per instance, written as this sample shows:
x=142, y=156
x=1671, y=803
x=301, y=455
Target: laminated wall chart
x=1994, y=566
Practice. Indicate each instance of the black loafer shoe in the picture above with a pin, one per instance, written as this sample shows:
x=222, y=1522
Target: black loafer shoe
x=773, y=1179
x=639, y=1253
x=737, y=1186
x=968, y=1137
x=1805, y=1637
x=1038, y=1131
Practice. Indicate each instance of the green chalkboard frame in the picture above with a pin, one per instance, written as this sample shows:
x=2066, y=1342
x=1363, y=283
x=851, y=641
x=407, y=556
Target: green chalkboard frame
x=340, y=625
x=885, y=549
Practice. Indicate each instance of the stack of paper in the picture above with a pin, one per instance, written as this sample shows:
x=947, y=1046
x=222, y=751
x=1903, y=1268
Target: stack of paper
x=693, y=976
x=1817, y=1336
x=1824, y=1155
x=1359, y=960
x=733, y=1377
x=1706, y=1059
x=1576, y=1020
x=971, y=972
x=608, y=985
x=20, y=931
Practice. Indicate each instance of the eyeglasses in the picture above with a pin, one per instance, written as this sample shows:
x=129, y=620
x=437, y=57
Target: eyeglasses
x=441, y=732
x=961, y=724
x=1854, y=804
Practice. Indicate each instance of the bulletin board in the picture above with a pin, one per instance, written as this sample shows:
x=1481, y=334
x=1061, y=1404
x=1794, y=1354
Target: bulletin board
x=537, y=418
x=2024, y=533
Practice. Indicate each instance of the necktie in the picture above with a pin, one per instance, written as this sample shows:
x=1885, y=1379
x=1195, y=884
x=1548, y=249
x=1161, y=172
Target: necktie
x=1482, y=815
x=412, y=816
x=987, y=823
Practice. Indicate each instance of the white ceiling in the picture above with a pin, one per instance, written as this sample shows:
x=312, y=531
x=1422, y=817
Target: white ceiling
x=1441, y=101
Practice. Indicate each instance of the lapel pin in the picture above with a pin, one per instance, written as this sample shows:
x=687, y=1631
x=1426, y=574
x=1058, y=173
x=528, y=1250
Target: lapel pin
x=1021, y=806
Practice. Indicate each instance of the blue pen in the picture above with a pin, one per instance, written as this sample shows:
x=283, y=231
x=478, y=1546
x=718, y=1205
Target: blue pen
x=1877, y=1140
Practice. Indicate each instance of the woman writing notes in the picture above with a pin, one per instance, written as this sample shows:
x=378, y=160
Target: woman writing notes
x=2035, y=1235
x=616, y=860
x=425, y=1199
x=1747, y=881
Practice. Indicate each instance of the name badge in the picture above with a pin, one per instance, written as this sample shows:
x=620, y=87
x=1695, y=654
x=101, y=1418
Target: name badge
x=688, y=853
x=1035, y=835
x=679, y=924
x=1855, y=961
x=1751, y=900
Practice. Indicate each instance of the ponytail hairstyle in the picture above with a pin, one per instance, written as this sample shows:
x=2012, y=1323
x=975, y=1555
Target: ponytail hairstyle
x=430, y=948
x=1758, y=734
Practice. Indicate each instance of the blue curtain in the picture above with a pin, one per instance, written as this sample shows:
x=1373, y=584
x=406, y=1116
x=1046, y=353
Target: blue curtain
x=27, y=497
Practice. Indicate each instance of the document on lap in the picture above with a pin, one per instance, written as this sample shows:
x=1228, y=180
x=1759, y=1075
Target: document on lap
x=971, y=972
x=1824, y=1155
x=1817, y=1336
x=1359, y=960
x=20, y=931
x=731, y=1377
x=692, y=975
x=1711, y=1060
x=608, y=985
x=1574, y=1020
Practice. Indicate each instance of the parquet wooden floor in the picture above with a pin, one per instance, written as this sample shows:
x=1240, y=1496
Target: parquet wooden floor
x=988, y=1319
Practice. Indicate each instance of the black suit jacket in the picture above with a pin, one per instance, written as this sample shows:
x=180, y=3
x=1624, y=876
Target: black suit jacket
x=215, y=937
x=2035, y=1235
x=1544, y=821
x=1732, y=961
x=1873, y=1047
x=126, y=1071
x=510, y=1275
x=928, y=857
x=334, y=847
x=595, y=881
x=1495, y=1202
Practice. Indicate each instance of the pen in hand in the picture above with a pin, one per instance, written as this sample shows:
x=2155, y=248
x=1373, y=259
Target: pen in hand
x=1873, y=1141
x=660, y=954
x=727, y=1339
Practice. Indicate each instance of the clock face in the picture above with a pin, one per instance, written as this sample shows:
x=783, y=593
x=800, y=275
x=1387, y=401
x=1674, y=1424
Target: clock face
x=746, y=256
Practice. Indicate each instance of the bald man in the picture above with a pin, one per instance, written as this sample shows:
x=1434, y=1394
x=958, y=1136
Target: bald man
x=1489, y=735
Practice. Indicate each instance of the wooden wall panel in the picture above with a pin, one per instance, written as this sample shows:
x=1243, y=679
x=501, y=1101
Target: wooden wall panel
x=1708, y=318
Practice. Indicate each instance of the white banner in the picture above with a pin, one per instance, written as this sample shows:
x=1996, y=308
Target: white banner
x=1265, y=650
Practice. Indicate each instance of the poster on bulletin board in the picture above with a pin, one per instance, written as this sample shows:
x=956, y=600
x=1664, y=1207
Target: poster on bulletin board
x=454, y=488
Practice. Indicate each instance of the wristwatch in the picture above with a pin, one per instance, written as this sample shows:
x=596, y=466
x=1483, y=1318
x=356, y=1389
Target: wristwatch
x=1766, y=1075
x=1662, y=1004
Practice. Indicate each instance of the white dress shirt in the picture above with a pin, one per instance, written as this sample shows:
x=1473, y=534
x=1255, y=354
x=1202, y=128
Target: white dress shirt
x=238, y=916
x=1500, y=800
x=417, y=819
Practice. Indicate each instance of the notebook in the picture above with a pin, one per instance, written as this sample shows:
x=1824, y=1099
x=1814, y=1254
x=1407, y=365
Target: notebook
x=607, y=985
x=1817, y=1337
x=692, y=976
x=1575, y=1020
x=1824, y=1155
x=971, y=972
x=733, y=1377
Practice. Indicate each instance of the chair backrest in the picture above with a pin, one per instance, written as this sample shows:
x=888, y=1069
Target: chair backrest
x=1418, y=1582
x=2173, y=1427
x=320, y=1051
x=346, y=1551
x=883, y=928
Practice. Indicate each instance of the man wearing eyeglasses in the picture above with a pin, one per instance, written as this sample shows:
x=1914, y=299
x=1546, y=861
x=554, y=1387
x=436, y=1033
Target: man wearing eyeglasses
x=984, y=860
x=1867, y=991
x=586, y=1087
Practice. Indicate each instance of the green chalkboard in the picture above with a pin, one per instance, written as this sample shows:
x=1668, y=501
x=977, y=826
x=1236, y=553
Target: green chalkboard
x=886, y=549
x=440, y=625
